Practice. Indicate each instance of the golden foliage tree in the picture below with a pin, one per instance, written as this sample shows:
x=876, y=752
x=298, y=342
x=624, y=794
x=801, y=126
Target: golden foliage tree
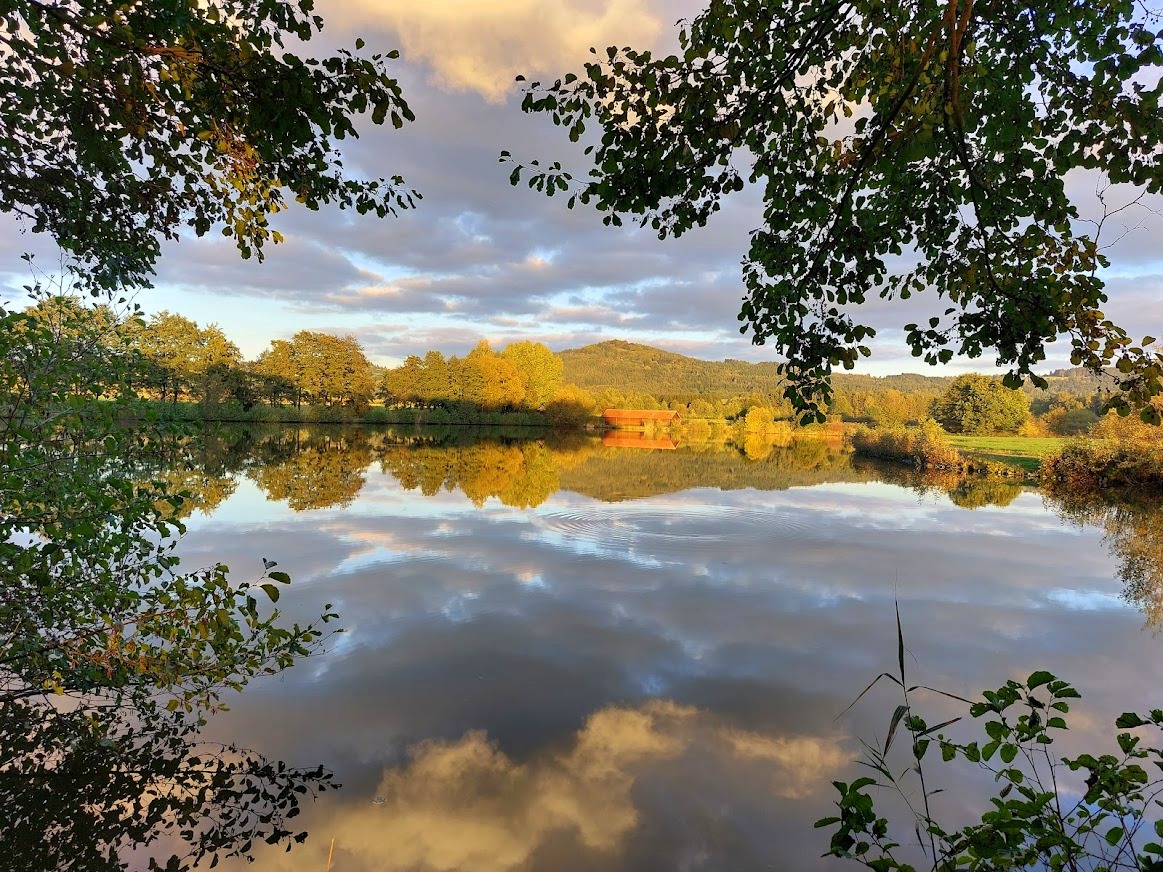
x=542, y=371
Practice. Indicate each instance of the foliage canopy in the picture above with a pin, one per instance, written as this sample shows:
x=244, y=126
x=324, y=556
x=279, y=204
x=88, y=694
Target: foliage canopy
x=899, y=148
x=321, y=367
x=110, y=657
x=976, y=404
x=123, y=122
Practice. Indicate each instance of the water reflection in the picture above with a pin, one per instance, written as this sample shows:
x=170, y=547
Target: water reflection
x=313, y=470
x=637, y=439
x=968, y=492
x=566, y=655
x=321, y=468
x=466, y=804
x=318, y=468
x=1132, y=526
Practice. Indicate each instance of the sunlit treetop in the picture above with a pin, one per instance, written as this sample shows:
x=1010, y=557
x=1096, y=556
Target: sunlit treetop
x=900, y=148
x=121, y=122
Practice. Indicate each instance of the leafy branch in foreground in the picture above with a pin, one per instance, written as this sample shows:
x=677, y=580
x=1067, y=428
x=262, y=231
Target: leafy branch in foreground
x=1041, y=816
x=123, y=122
x=110, y=656
x=900, y=148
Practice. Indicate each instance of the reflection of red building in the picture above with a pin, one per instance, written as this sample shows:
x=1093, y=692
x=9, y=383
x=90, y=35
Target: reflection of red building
x=636, y=439
x=620, y=418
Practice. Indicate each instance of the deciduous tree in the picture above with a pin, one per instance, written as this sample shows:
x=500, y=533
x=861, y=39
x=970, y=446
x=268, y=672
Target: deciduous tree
x=320, y=367
x=172, y=347
x=542, y=371
x=110, y=656
x=979, y=404
x=899, y=148
x=228, y=125
x=276, y=368
x=489, y=380
x=121, y=124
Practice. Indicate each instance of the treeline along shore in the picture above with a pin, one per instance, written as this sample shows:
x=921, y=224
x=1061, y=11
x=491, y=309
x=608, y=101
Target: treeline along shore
x=973, y=424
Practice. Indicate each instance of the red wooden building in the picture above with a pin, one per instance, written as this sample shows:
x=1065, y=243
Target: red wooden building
x=625, y=418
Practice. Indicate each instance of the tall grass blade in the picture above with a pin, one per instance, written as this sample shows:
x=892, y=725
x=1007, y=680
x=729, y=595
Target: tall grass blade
x=871, y=684
x=900, y=642
x=901, y=711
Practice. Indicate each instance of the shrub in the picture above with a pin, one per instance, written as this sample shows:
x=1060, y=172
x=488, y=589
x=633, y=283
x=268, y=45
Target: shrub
x=1105, y=463
x=758, y=418
x=1041, y=817
x=924, y=447
x=976, y=404
x=1034, y=428
x=1071, y=422
x=1125, y=452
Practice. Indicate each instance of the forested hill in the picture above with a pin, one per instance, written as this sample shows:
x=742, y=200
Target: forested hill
x=632, y=368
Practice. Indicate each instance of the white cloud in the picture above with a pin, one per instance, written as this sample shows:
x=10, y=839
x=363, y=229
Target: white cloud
x=468, y=805
x=482, y=47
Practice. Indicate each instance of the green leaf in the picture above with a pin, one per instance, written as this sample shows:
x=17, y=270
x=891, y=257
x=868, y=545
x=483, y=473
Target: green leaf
x=1127, y=742
x=1037, y=679
x=271, y=591
x=280, y=577
x=1129, y=720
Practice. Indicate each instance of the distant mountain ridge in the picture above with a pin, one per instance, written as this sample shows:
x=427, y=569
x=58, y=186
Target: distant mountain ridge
x=629, y=367
x=632, y=368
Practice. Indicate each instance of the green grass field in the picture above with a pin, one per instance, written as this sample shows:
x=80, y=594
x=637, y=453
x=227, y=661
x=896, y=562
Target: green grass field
x=1022, y=451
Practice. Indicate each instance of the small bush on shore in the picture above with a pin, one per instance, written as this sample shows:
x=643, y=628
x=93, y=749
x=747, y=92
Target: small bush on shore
x=1124, y=453
x=924, y=447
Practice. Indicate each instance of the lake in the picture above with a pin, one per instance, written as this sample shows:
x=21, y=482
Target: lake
x=571, y=655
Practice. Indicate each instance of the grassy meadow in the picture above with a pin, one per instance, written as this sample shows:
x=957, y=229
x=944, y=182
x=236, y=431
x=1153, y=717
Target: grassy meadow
x=1026, y=452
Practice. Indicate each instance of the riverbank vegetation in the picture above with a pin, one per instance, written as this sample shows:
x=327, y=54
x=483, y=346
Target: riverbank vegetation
x=972, y=423
x=123, y=126
x=1090, y=811
x=183, y=362
x=1121, y=452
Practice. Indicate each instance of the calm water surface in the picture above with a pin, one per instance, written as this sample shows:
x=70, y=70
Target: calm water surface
x=578, y=656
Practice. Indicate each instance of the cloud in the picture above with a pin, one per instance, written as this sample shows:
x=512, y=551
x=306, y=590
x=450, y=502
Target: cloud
x=473, y=46
x=302, y=267
x=481, y=259
x=466, y=804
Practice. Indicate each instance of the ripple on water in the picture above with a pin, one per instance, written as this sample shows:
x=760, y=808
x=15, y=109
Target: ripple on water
x=672, y=528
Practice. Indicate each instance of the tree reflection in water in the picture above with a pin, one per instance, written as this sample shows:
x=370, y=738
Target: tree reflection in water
x=88, y=782
x=319, y=468
x=316, y=470
x=1132, y=525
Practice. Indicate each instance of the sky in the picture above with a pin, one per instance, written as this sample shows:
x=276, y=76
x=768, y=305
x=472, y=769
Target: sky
x=481, y=259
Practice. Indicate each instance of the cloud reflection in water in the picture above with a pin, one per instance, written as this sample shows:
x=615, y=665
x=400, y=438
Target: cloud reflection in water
x=650, y=683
